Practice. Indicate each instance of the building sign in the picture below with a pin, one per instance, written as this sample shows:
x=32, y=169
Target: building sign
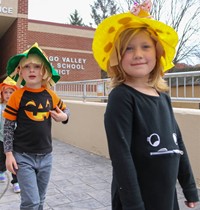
x=8, y=7
x=66, y=64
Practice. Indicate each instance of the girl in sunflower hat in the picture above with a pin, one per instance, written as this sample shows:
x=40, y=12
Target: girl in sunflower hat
x=145, y=144
x=28, y=147
x=7, y=87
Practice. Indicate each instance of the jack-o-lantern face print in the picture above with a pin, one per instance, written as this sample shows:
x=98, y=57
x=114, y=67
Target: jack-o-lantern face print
x=37, y=111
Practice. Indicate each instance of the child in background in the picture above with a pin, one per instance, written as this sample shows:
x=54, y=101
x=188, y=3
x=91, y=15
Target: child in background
x=29, y=151
x=7, y=87
x=145, y=144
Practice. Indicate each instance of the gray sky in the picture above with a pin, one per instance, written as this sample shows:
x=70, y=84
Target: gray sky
x=59, y=10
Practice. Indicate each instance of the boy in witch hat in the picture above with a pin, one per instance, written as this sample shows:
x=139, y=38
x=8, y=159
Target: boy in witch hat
x=28, y=149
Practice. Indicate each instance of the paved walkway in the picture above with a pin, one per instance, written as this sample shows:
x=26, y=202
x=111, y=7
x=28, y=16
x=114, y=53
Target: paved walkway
x=79, y=181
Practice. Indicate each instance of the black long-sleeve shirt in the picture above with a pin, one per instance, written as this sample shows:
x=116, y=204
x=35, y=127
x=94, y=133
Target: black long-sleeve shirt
x=147, y=152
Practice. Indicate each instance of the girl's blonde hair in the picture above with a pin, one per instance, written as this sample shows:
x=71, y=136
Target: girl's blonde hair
x=116, y=72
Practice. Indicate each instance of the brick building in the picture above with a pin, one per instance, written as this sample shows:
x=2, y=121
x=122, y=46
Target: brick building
x=68, y=47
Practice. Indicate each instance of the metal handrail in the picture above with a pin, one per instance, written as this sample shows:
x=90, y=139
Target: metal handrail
x=183, y=86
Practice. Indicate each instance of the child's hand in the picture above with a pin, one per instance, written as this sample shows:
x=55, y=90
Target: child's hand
x=11, y=163
x=190, y=204
x=58, y=115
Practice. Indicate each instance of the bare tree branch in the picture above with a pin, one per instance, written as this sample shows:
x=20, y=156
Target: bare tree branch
x=183, y=16
x=102, y=9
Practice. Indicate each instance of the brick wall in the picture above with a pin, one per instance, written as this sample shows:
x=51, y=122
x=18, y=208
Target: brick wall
x=69, y=53
x=22, y=28
x=15, y=38
x=22, y=25
x=23, y=7
x=68, y=47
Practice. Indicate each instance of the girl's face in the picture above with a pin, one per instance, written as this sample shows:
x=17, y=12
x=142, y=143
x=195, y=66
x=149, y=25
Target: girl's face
x=139, y=58
x=6, y=93
x=32, y=74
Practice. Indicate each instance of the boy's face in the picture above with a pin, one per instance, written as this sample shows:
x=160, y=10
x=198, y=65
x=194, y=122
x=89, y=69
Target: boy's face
x=6, y=93
x=32, y=74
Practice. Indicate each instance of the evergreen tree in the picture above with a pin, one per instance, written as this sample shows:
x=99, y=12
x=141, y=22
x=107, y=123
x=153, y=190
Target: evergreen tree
x=75, y=19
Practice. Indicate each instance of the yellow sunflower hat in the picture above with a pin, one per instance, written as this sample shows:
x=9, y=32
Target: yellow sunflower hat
x=110, y=28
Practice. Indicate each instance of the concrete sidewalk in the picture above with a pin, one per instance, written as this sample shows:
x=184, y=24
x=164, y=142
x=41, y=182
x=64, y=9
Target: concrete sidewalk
x=79, y=181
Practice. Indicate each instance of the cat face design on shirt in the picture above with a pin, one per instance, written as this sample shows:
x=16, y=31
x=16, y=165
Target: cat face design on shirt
x=155, y=141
